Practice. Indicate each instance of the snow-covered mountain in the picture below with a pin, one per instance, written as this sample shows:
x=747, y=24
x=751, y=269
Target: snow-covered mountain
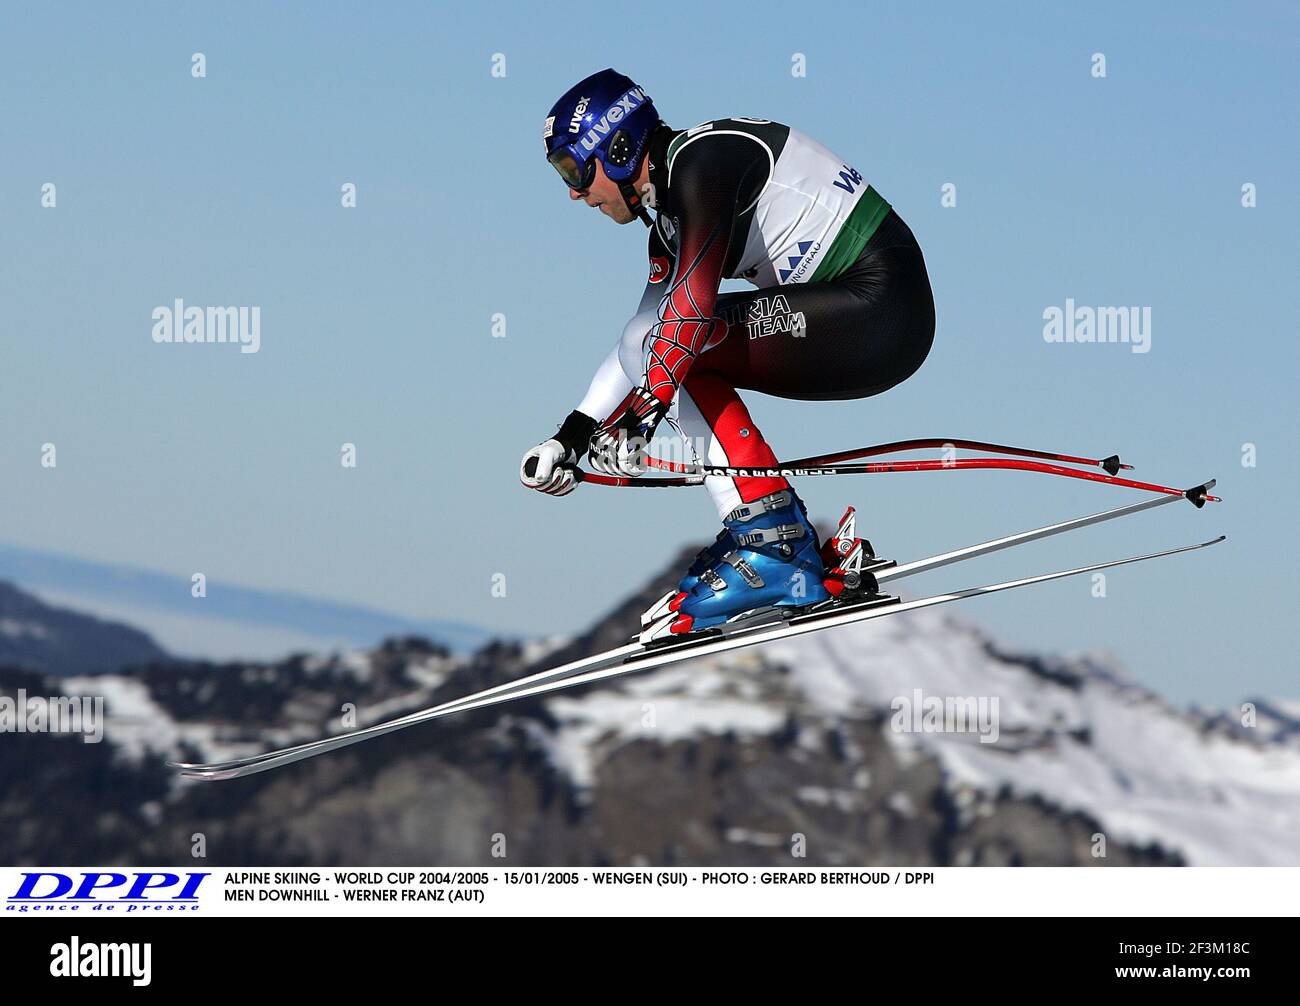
x=1076, y=734
x=826, y=743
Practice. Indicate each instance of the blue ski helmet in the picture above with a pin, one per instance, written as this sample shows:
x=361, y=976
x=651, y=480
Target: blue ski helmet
x=605, y=117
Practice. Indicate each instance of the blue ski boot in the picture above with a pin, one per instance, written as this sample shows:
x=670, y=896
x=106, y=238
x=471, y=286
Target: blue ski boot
x=705, y=561
x=775, y=563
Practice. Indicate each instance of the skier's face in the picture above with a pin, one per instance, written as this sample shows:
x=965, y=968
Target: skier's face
x=603, y=195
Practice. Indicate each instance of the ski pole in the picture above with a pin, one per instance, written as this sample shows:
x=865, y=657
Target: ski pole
x=1197, y=495
x=1111, y=465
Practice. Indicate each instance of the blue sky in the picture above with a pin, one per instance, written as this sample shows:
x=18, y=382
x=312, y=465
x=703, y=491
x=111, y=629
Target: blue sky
x=376, y=320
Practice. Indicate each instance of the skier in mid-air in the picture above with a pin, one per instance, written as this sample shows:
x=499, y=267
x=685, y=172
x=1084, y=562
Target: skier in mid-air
x=843, y=310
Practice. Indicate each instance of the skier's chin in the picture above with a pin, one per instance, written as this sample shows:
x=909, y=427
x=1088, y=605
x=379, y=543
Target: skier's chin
x=619, y=214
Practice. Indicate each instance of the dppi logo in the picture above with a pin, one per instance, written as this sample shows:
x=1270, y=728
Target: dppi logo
x=48, y=891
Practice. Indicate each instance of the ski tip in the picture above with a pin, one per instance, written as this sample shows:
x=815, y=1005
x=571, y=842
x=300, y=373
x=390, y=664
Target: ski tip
x=199, y=770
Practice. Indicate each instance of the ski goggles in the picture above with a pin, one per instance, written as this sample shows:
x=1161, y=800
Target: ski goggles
x=576, y=174
x=617, y=154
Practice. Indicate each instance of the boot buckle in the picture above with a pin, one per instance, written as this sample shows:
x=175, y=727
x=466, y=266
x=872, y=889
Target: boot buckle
x=766, y=504
x=711, y=580
x=782, y=532
x=747, y=572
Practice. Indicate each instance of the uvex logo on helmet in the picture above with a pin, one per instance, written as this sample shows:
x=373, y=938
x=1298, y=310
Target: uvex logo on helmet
x=626, y=105
x=575, y=124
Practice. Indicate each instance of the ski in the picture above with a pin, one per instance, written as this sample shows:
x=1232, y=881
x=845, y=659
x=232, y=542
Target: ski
x=633, y=658
x=897, y=572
